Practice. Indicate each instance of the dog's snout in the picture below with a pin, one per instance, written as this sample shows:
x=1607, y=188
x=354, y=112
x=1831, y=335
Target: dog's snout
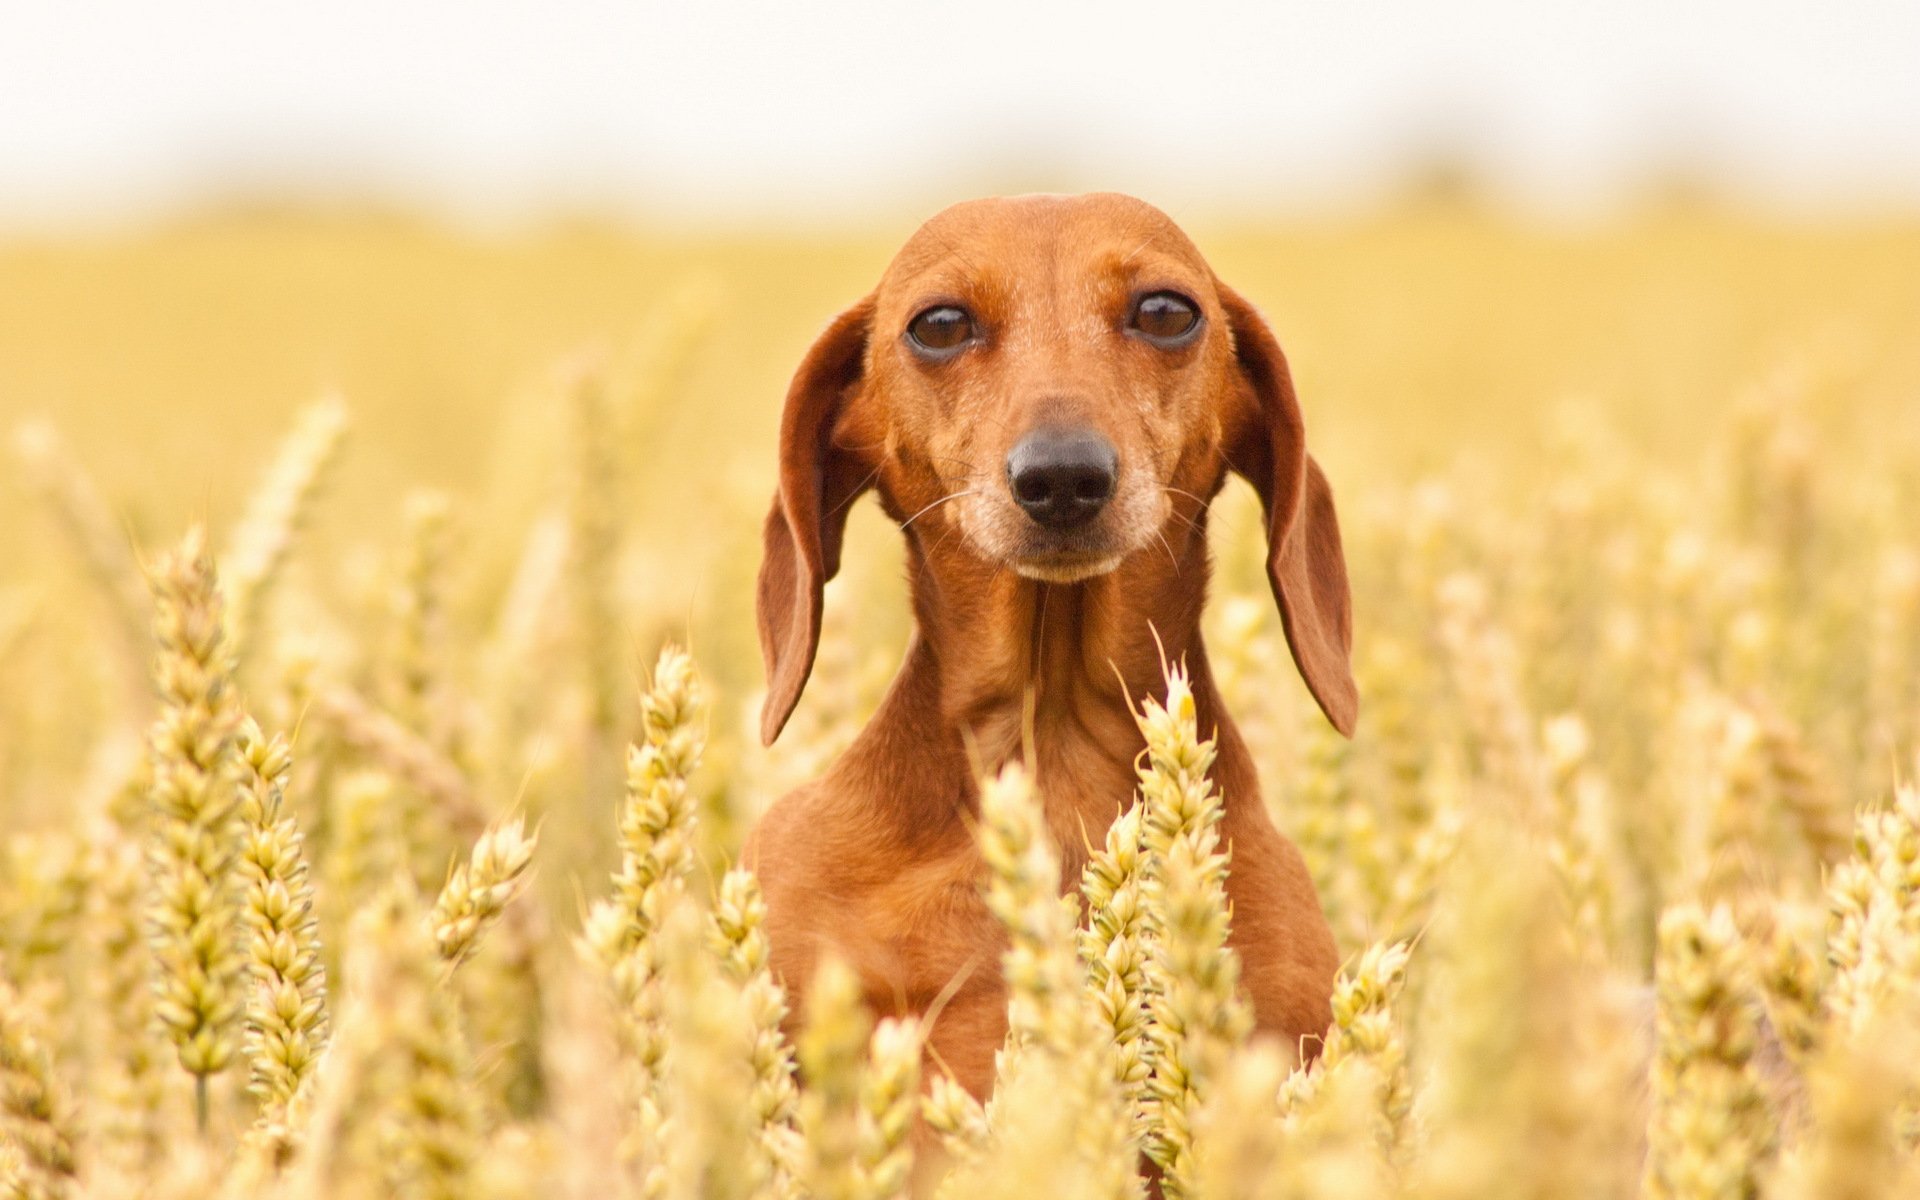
x=1063, y=478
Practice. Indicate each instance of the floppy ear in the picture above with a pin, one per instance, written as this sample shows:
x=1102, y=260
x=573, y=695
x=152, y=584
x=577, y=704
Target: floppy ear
x=1267, y=443
x=818, y=484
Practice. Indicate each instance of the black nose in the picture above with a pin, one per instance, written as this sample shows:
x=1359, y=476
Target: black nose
x=1063, y=477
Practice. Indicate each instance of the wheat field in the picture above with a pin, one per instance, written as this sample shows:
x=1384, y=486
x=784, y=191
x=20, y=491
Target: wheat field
x=377, y=671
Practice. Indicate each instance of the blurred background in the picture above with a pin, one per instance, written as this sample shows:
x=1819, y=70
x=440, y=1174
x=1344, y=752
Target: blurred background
x=1480, y=229
x=838, y=114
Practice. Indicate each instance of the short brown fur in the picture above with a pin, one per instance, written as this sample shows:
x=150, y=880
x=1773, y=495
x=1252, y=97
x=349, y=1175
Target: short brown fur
x=1015, y=632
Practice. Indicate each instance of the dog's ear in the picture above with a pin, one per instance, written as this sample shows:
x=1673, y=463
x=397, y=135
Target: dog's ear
x=1266, y=443
x=818, y=485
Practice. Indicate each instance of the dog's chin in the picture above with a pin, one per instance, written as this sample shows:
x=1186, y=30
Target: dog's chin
x=1004, y=536
x=1065, y=568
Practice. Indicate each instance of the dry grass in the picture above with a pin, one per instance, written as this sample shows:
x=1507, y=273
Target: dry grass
x=1626, y=857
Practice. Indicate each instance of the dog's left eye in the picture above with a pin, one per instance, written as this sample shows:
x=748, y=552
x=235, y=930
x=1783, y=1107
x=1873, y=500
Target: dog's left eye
x=1165, y=316
x=941, y=330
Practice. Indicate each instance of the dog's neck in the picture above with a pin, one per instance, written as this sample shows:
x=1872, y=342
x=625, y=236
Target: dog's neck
x=1003, y=668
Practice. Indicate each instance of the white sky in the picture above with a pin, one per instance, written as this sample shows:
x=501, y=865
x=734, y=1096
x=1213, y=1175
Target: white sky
x=730, y=109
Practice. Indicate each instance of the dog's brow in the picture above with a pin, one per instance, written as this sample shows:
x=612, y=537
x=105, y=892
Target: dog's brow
x=954, y=250
x=1135, y=253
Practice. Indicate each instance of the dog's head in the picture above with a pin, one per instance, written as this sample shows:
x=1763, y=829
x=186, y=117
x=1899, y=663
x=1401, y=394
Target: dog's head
x=1048, y=373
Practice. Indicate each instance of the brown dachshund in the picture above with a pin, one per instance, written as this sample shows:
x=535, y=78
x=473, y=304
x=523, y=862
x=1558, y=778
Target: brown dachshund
x=1045, y=392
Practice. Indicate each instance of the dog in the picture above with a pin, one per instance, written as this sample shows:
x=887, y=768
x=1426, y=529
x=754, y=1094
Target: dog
x=1044, y=392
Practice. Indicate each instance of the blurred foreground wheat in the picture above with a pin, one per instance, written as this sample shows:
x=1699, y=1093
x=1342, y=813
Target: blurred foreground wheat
x=369, y=870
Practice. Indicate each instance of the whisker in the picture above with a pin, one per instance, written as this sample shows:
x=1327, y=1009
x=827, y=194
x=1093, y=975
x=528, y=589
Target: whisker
x=1186, y=520
x=936, y=504
x=970, y=468
x=1171, y=557
x=857, y=492
x=1173, y=510
x=935, y=548
x=1040, y=644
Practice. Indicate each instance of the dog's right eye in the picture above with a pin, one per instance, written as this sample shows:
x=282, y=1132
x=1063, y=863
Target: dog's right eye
x=1166, y=318
x=941, y=329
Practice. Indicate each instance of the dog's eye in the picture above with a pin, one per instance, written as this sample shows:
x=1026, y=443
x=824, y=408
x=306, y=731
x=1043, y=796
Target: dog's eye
x=1165, y=316
x=944, y=328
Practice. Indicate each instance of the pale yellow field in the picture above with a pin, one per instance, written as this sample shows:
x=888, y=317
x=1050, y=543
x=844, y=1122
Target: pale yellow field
x=1631, y=518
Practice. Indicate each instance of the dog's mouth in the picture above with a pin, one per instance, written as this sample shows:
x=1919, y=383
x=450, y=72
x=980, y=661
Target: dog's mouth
x=1004, y=535
x=1067, y=555
x=1066, y=566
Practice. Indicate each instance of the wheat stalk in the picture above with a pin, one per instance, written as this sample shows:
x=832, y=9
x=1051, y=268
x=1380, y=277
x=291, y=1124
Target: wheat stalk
x=594, y=506
x=739, y=914
x=1711, y=1136
x=97, y=538
x=258, y=548
x=1053, y=1026
x=711, y=1148
x=1873, y=933
x=480, y=889
x=404, y=754
x=656, y=826
x=394, y=1109
x=287, y=1004
x=1114, y=946
x=130, y=1095
x=1364, y=1030
x=35, y=1115
x=1854, y=1148
x=889, y=1099
x=832, y=1049
x=193, y=908
x=1196, y=1018
x=416, y=667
